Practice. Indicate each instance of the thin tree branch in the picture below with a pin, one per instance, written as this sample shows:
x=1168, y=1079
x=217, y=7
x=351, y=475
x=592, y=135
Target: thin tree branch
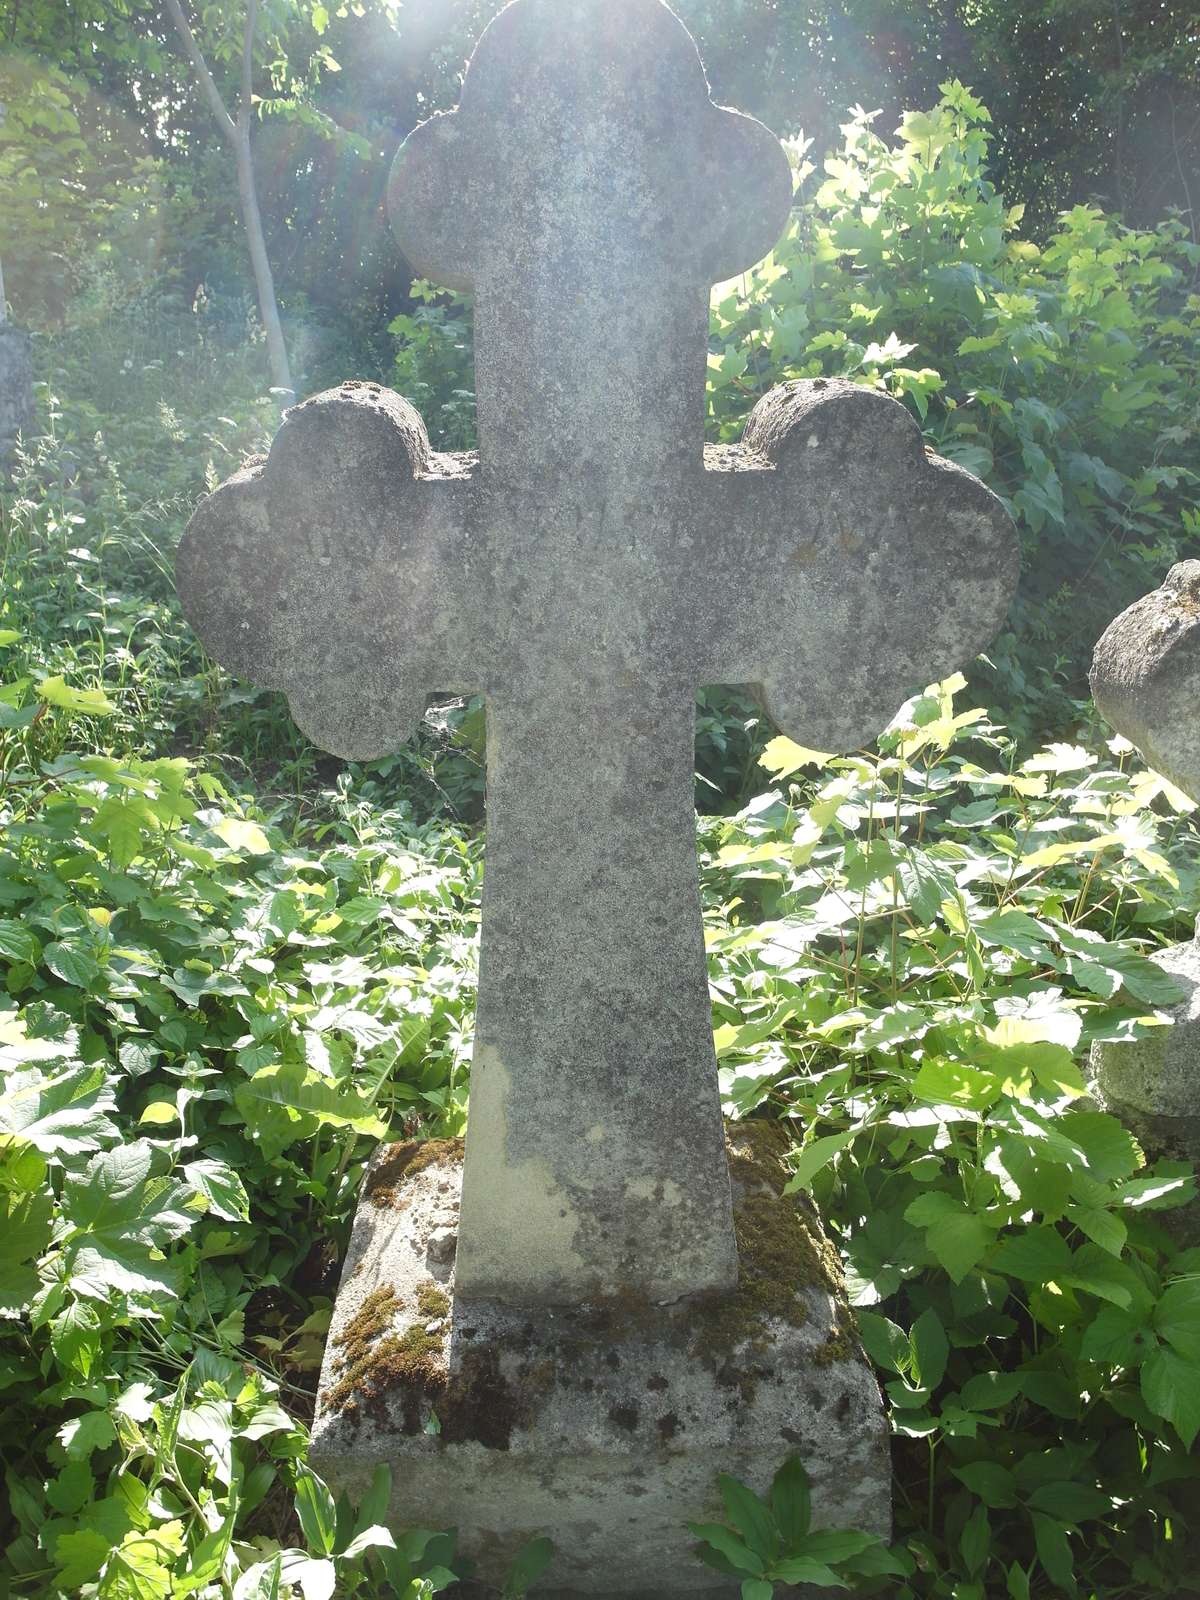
x=1187, y=188
x=247, y=98
x=207, y=82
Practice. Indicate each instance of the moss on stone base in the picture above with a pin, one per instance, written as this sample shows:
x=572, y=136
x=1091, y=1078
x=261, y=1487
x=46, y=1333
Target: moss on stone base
x=397, y=1162
x=495, y=1386
x=432, y=1301
x=374, y=1361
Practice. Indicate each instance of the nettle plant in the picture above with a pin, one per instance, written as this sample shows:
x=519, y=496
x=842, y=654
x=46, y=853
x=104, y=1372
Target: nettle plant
x=212, y=1014
x=208, y=1024
x=910, y=962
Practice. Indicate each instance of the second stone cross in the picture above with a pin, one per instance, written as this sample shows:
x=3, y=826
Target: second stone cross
x=587, y=571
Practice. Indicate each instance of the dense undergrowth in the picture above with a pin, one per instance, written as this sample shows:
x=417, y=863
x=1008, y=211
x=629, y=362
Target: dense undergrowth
x=215, y=1013
x=231, y=966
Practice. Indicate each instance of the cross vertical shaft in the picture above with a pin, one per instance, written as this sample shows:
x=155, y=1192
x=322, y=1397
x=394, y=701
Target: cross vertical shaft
x=605, y=381
x=595, y=1161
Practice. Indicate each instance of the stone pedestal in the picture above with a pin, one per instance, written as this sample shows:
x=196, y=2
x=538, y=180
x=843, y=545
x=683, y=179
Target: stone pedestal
x=603, y=1425
x=16, y=389
x=1153, y=1084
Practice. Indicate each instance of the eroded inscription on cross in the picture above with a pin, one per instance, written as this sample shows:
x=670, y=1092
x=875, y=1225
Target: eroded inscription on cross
x=589, y=570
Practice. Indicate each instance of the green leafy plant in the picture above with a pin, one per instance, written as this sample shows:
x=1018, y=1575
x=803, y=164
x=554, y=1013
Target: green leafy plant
x=912, y=954
x=1063, y=372
x=771, y=1540
x=531, y=1561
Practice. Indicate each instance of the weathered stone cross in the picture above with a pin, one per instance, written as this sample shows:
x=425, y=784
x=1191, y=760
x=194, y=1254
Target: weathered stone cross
x=588, y=571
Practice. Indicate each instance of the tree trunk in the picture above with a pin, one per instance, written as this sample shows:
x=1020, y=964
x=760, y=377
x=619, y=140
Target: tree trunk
x=237, y=132
x=264, y=282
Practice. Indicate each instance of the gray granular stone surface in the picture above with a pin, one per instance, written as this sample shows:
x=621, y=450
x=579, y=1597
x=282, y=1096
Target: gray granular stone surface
x=1146, y=677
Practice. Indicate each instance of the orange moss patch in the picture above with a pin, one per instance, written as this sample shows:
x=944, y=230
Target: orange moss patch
x=399, y=1161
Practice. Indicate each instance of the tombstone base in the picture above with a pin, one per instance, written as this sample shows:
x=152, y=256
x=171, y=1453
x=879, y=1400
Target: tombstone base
x=1153, y=1084
x=601, y=1427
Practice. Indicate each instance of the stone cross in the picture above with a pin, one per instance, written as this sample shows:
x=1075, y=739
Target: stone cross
x=588, y=571
x=1146, y=682
x=1146, y=677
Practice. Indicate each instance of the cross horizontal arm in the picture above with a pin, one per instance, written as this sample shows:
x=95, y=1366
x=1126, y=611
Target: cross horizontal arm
x=844, y=566
x=342, y=570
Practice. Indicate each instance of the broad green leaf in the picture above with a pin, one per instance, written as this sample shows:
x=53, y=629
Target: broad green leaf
x=245, y=838
x=1171, y=1388
x=206, y=1561
x=1018, y=1583
x=295, y=1089
x=73, y=964
x=75, y=1338
x=1014, y=930
x=1102, y=1227
x=1144, y=979
x=61, y=1114
x=956, y=1237
x=79, y=1556
x=990, y=1391
x=1157, y=1194
x=782, y=757
x=374, y=1537
x=1109, y=1148
x=82, y=1435
x=99, y=1272
x=752, y=1519
x=26, y=1222
x=975, y=1541
x=140, y=1569
x=1071, y=1502
x=1114, y=1337
x=159, y=1113
x=1054, y=1551
x=816, y=1155
x=931, y=1349
x=122, y=823
x=316, y=1511
x=837, y=1544
x=1039, y=1255
x=1177, y=1319
x=951, y=1083
x=262, y=1581
x=884, y=1341
x=1096, y=1271
x=991, y=1482
x=791, y=1501
x=18, y=942
x=23, y=1167
x=83, y=702
x=373, y=1506
x=531, y=1561
x=799, y=1569
x=724, y=1540
x=221, y=1187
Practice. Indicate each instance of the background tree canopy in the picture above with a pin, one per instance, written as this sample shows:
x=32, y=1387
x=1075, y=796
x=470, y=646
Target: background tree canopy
x=1094, y=101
